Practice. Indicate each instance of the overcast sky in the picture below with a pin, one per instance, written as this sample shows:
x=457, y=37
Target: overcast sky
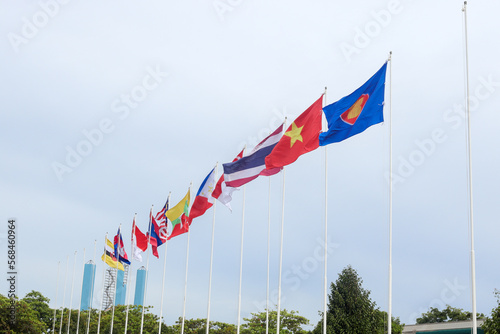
x=108, y=107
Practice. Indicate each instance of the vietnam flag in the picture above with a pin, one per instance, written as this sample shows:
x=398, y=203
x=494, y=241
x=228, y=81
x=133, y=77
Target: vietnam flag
x=301, y=137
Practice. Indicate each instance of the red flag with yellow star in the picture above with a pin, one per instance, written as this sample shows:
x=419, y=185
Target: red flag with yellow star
x=301, y=137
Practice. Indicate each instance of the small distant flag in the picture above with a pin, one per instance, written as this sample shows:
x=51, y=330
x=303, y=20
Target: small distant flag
x=302, y=136
x=251, y=166
x=356, y=112
x=119, y=247
x=222, y=192
x=178, y=215
x=109, y=256
x=203, y=200
x=139, y=242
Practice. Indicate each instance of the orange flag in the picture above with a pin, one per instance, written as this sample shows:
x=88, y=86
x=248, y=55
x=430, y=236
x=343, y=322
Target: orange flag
x=302, y=136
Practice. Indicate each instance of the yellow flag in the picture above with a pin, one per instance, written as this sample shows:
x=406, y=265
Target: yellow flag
x=178, y=209
x=109, y=257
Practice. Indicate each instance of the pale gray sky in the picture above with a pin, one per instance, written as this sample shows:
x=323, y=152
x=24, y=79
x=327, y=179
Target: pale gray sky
x=175, y=88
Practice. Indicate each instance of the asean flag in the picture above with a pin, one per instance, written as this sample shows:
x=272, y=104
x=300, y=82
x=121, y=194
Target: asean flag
x=302, y=136
x=203, y=200
x=356, y=112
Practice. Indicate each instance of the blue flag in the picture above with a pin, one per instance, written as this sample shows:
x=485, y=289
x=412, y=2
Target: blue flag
x=356, y=112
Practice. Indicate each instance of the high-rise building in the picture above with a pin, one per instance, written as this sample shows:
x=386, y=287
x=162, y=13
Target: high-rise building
x=140, y=285
x=88, y=285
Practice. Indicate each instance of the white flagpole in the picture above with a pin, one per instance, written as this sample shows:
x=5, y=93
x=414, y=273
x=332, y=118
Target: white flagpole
x=325, y=280
x=211, y=258
x=55, y=305
x=91, y=290
x=389, y=308
x=281, y=253
x=64, y=295
x=71, y=296
x=130, y=275
x=241, y=262
x=163, y=279
x=268, y=254
x=185, y=284
x=103, y=273
x=471, y=206
x=116, y=283
x=147, y=271
x=79, y=307
x=186, y=280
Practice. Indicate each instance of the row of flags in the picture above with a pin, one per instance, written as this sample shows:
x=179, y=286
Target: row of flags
x=347, y=117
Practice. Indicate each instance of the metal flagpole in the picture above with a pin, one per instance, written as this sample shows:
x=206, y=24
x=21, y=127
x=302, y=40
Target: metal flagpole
x=103, y=272
x=81, y=295
x=186, y=279
x=71, y=296
x=55, y=305
x=389, y=308
x=64, y=294
x=281, y=249
x=281, y=253
x=116, y=283
x=325, y=281
x=129, y=275
x=91, y=290
x=211, y=258
x=241, y=262
x=471, y=212
x=147, y=271
x=164, y=265
x=185, y=284
x=268, y=254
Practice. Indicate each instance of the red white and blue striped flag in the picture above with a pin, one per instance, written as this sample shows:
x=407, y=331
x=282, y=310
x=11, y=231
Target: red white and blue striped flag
x=251, y=166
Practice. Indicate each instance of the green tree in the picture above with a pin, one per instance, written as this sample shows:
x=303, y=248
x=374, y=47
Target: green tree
x=290, y=323
x=350, y=309
x=397, y=326
x=24, y=319
x=492, y=325
x=40, y=304
x=198, y=326
x=435, y=315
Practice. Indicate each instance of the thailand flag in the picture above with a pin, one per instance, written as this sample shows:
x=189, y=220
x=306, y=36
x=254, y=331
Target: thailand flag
x=203, y=200
x=251, y=166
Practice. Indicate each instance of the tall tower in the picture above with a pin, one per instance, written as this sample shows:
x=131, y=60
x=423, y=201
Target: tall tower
x=109, y=287
x=88, y=286
x=140, y=285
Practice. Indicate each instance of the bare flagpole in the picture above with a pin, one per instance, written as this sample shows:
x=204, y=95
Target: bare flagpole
x=147, y=271
x=471, y=206
x=64, y=294
x=163, y=279
x=55, y=305
x=81, y=295
x=91, y=290
x=241, y=262
x=389, y=308
x=211, y=257
x=103, y=273
x=71, y=297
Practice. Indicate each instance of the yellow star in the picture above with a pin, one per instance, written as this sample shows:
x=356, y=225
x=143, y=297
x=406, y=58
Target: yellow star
x=294, y=134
